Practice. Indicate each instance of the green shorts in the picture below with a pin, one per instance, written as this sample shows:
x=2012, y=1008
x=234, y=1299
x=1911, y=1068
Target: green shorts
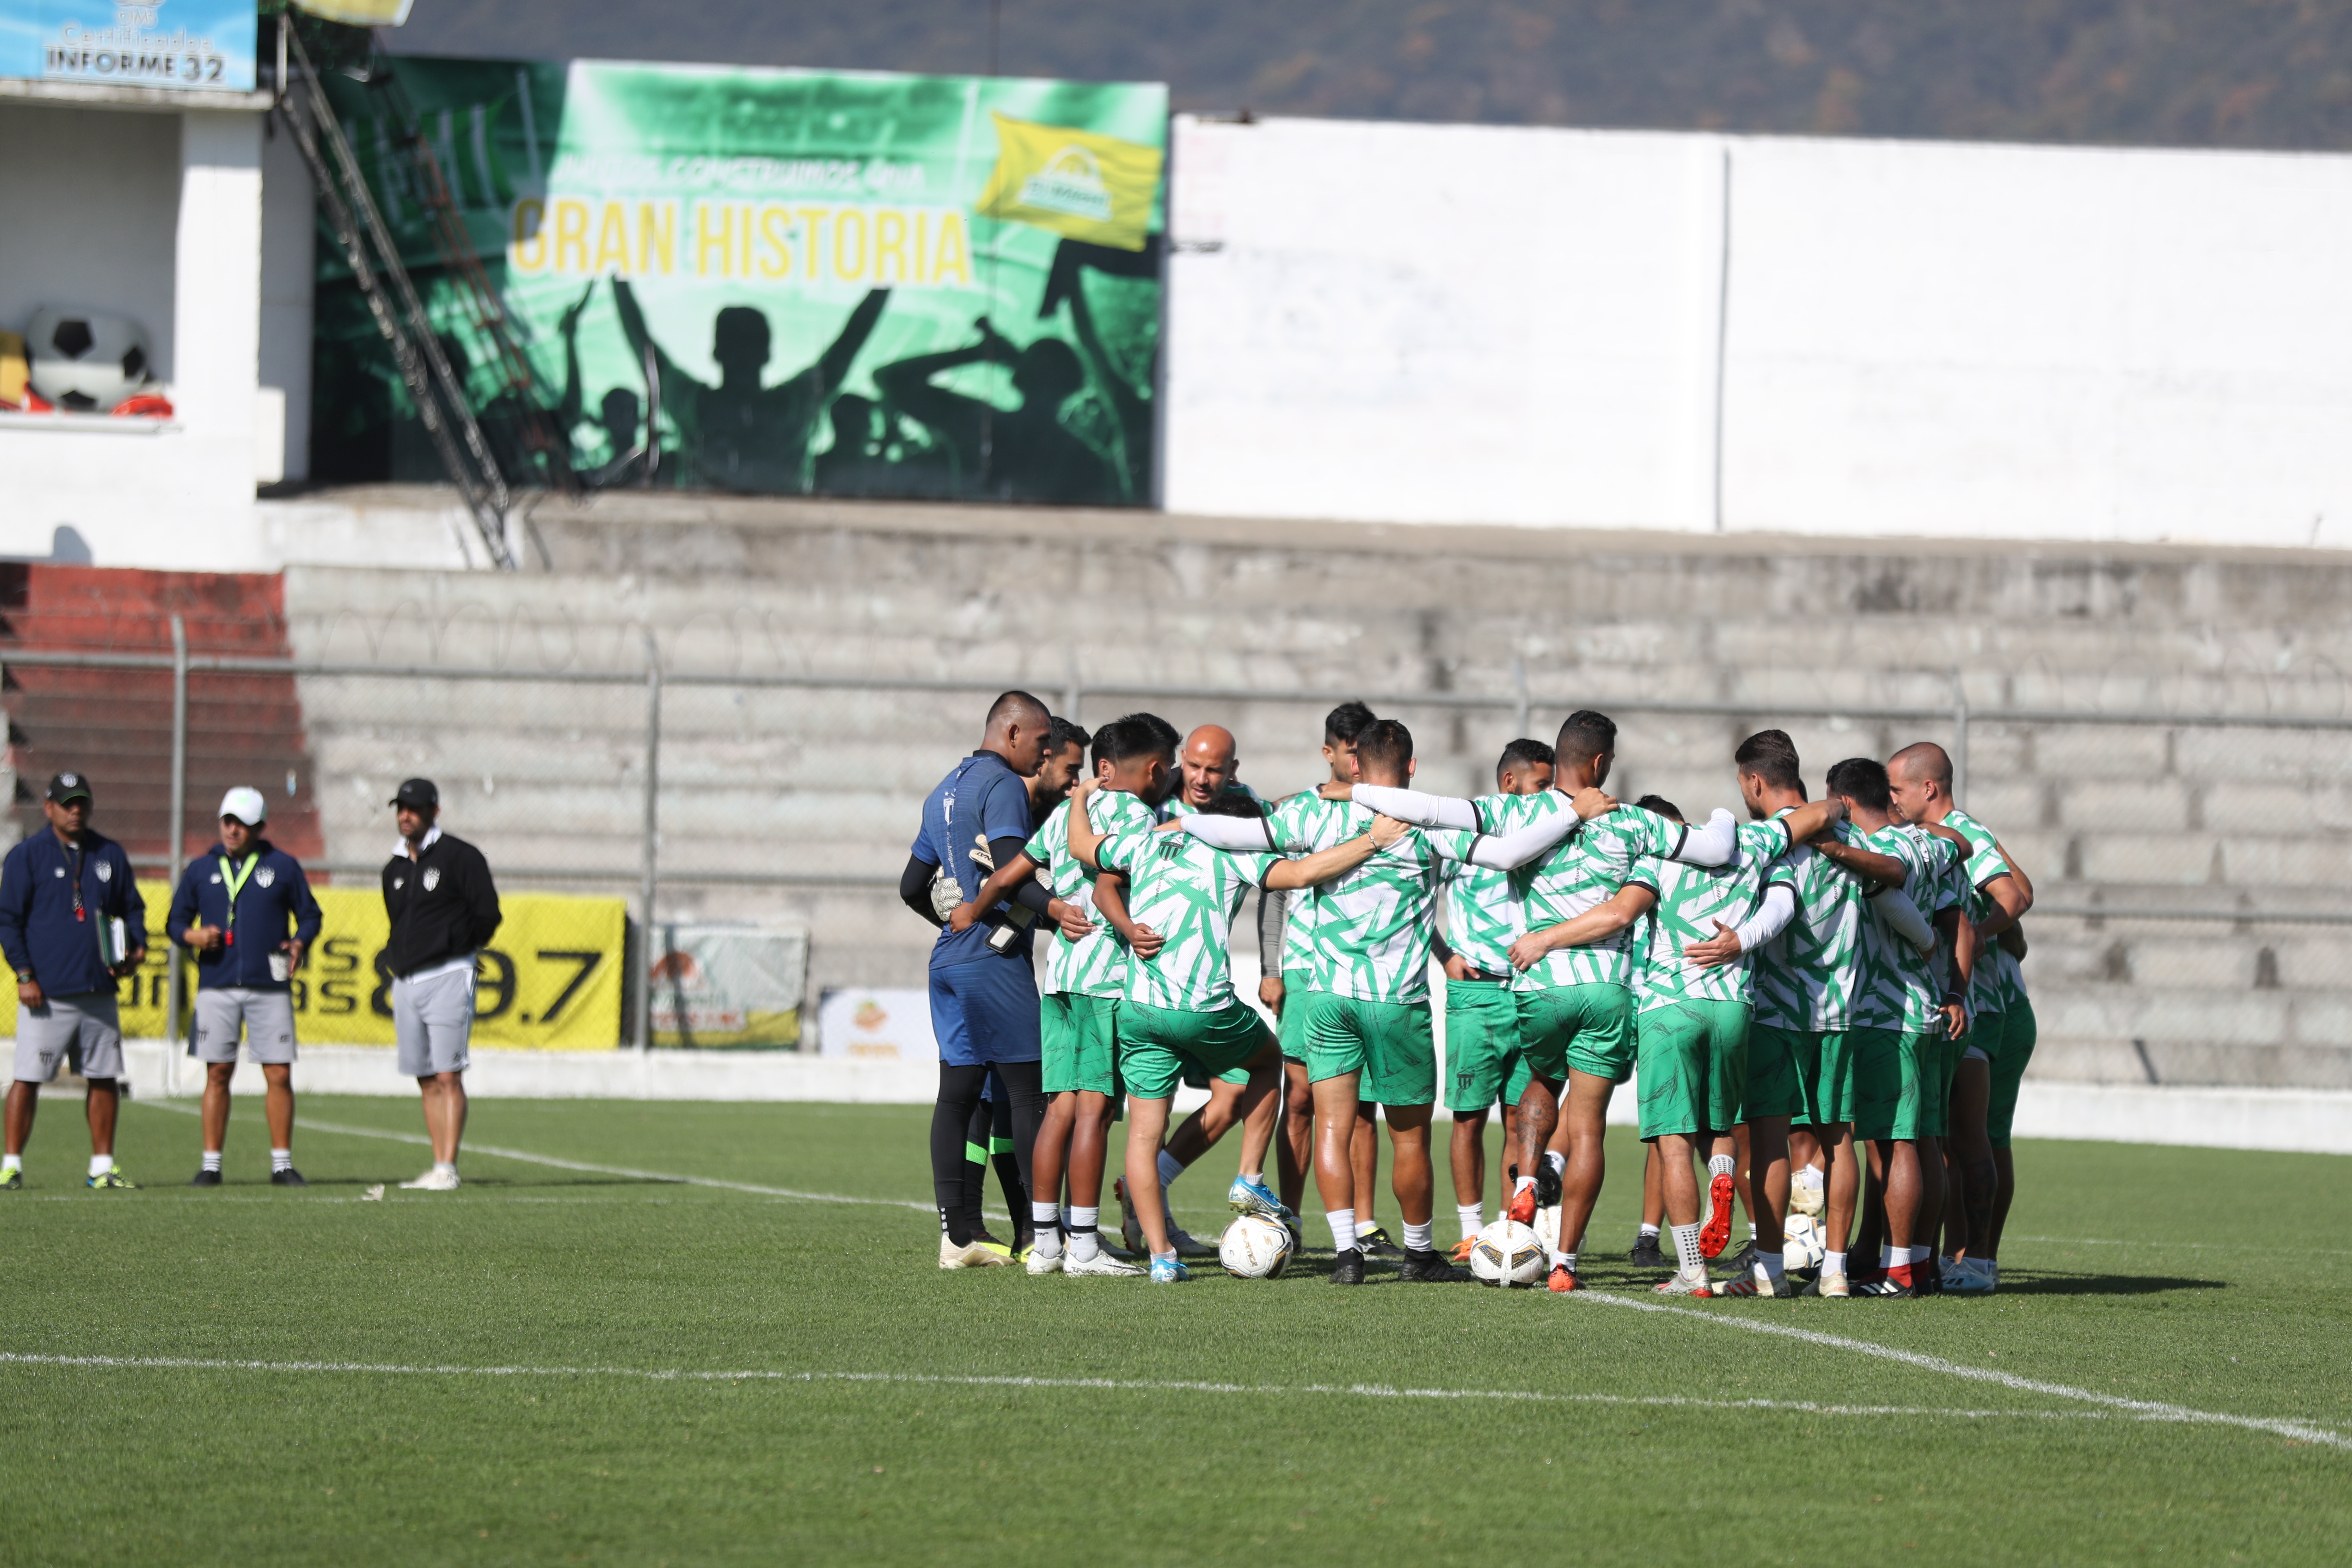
x=1984, y=1032
x=1196, y=1077
x=1079, y=1043
x=1587, y=1027
x=1158, y=1046
x=1896, y=1073
x=1693, y=1064
x=1297, y=984
x=1780, y=1072
x=2017, y=1038
x=1387, y=1044
x=1482, y=1060
x=1829, y=1098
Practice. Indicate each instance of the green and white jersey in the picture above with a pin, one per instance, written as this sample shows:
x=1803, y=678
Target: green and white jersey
x=1095, y=966
x=1482, y=915
x=1189, y=893
x=1692, y=899
x=1807, y=976
x=1585, y=870
x=1902, y=988
x=1987, y=988
x=1304, y=818
x=1373, y=925
x=1640, y=934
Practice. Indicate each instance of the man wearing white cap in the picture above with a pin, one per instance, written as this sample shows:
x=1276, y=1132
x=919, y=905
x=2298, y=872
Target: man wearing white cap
x=232, y=910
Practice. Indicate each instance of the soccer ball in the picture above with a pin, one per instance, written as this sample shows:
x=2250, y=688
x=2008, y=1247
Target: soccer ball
x=85, y=362
x=1800, y=1245
x=1506, y=1253
x=1254, y=1248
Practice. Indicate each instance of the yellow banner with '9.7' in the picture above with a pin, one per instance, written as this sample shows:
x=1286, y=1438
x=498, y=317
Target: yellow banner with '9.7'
x=549, y=981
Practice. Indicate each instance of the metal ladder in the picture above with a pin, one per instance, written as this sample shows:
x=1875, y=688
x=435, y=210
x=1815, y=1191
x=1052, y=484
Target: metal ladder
x=383, y=281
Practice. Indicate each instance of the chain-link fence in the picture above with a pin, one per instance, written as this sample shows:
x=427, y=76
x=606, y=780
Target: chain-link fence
x=2192, y=923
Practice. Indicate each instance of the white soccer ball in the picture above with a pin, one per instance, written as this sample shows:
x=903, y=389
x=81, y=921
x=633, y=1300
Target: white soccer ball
x=1254, y=1248
x=1506, y=1253
x=86, y=361
x=1801, y=1246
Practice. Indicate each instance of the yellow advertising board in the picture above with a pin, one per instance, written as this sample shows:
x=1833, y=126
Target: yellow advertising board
x=550, y=980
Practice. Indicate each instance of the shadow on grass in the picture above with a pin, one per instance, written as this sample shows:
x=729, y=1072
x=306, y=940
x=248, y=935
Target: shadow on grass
x=2052, y=1282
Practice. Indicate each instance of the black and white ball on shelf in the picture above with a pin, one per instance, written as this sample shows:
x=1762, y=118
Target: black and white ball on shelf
x=86, y=361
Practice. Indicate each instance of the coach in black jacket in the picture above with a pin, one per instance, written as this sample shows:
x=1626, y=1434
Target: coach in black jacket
x=443, y=907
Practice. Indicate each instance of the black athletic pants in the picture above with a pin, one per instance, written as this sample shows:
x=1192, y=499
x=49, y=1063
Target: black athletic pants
x=951, y=1122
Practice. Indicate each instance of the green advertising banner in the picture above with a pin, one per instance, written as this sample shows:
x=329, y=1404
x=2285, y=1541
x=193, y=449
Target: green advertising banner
x=769, y=282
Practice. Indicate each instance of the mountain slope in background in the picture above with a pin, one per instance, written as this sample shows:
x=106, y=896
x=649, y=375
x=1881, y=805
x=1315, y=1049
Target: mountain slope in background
x=2198, y=73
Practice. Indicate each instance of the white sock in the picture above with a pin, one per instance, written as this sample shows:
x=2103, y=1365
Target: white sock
x=1752, y=1233
x=1343, y=1229
x=448, y=1166
x=1889, y=1254
x=1045, y=1221
x=12, y=1162
x=101, y=1163
x=1768, y=1268
x=213, y=1157
x=1473, y=1218
x=1418, y=1238
x=1254, y=1178
x=1564, y=1260
x=1558, y=1162
x=1082, y=1222
x=281, y=1160
x=1721, y=1165
x=1084, y=1246
x=1686, y=1249
x=1832, y=1262
x=1649, y=1230
x=1170, y=1167
x=1522, y=1185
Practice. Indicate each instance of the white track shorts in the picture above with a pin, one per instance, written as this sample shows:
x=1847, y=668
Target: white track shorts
x=84, y=1030
x=266, y=1018
x=432, y=1019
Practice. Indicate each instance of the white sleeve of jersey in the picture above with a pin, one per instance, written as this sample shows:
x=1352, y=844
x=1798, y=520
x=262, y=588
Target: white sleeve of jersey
x=1509, y=851
x=1418, y=808
x=1712, y=844
x=1244, y=834
x=1779, y=909
x=1901, y=917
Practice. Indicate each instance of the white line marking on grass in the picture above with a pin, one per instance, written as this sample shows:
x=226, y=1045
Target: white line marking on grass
x=1357, y=1391
x=495, y=1150
x=2142, y=1409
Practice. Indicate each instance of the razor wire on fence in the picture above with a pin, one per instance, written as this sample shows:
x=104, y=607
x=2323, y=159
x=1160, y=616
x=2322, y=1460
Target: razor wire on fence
x=2192, y=868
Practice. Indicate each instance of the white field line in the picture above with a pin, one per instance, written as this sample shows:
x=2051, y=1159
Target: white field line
x=1356, y=1390
x=584, y=1165
x=2142, y=1409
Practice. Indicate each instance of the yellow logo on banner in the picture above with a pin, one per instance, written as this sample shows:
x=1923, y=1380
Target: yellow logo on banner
x=550, y=980
x=1075, y=182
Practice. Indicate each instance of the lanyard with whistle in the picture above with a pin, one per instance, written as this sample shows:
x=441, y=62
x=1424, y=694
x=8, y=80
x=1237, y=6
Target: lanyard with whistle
x=235, y=880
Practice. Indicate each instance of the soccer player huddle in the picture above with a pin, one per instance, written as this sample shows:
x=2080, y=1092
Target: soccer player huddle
x=1819, y=1002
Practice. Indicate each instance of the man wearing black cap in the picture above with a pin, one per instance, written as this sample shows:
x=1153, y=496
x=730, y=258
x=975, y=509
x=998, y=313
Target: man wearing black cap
x=71, y=923
x=443, y=907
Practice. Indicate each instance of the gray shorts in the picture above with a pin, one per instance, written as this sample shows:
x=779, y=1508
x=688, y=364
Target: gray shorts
x=83, y=1030
x=267, y=1017
x=432, y=1019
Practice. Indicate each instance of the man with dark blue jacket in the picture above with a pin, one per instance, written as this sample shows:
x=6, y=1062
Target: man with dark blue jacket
x=71, y=923
x=232, y=910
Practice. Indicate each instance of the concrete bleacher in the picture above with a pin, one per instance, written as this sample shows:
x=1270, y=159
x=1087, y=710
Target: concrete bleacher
x=825, y=783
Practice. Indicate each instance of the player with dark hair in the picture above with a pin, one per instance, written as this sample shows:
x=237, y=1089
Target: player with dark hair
x=983, y=991
x=1179, y=1010
x=1572, y=965
x=1287, y=955
x=1482, y=1060
x=1367, y=1030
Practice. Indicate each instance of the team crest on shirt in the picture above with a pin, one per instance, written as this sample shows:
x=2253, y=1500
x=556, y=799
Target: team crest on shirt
x=265, y=875
x=106, y=871
x=431, y=878
x=398, y=883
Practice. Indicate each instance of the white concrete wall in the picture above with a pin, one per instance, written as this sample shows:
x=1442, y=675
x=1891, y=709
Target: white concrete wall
x=174, y=494
x=90, y=201
x=289, y=228
x=1443, y=324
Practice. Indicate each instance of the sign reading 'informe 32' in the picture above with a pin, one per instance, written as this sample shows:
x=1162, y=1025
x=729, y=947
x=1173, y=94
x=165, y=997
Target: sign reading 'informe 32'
x=180, y=46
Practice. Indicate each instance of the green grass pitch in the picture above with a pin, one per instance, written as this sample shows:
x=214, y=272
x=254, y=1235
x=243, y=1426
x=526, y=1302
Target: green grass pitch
x=2165, y=1375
